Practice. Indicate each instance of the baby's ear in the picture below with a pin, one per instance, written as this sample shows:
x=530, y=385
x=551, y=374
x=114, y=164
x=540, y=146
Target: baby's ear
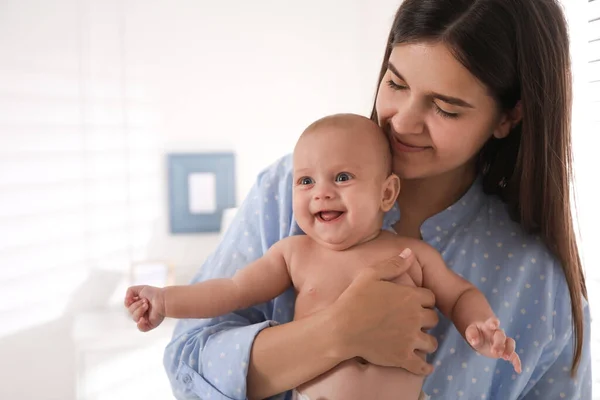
x=391, y=188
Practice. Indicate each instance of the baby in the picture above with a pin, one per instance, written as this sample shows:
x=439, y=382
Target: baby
x=343, y=185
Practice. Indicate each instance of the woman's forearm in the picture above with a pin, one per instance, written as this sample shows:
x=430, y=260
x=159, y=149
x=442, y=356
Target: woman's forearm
x=285, y=356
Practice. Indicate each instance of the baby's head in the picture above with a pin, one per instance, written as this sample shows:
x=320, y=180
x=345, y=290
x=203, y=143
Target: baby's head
x=343, y=181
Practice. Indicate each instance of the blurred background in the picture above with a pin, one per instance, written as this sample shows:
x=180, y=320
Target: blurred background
x=94, y=97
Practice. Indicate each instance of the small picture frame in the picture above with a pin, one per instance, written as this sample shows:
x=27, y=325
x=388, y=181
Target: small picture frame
x=201, y=186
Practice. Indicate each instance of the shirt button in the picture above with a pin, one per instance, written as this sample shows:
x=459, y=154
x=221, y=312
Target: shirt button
x=187, y=379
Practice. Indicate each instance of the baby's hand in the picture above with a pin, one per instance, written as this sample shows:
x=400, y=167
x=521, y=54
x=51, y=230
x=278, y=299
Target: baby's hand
x=487, y=339
x=146, y=306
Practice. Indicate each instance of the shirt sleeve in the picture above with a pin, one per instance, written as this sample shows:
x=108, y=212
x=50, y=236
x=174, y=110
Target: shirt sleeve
x=552, y=377
x=208, y=358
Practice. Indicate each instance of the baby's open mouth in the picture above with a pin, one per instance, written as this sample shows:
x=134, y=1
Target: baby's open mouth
x=329, y=215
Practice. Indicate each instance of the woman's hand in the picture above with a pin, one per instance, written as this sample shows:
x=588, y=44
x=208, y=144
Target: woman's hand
x=383, y=322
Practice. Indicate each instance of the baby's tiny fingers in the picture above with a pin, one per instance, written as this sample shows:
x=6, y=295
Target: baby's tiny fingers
x=143, y=325
x=473, y=336
x=516, y=362
x=134, y=306
x=132, y=295
x=509, y=348
x=129, y=300
x=138, y=309
x=499, y=342
x=492, y=323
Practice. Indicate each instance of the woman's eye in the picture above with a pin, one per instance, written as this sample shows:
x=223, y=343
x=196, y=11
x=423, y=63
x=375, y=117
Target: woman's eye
x=443, y=113
x=395, y=86
x=343, y=177
x=306, y=181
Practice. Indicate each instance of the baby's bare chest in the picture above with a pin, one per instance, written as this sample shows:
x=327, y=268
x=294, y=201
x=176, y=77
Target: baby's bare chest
x=319, y=281
x=321, y=276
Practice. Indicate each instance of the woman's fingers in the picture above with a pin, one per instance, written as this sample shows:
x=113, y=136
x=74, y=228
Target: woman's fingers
x=430, y=319
x=384, y=322
x=426, y=298
x=393, y=267
x=417, y=365
x=426, y=343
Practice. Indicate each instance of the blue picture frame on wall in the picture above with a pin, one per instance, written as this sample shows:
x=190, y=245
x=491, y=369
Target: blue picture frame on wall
x=201, y=186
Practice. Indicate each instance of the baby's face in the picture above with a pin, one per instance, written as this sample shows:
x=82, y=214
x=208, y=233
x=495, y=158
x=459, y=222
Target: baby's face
x=339, y=180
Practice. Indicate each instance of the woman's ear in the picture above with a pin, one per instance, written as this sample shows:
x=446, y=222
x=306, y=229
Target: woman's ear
x=391, y=189
x=508, y=121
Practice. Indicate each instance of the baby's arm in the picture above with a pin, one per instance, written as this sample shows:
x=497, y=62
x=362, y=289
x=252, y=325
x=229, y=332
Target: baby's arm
x=260, y=281
x=467, y=307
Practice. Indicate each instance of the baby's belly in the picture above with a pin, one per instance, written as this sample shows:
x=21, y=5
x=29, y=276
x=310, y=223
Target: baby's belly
x=352, y=380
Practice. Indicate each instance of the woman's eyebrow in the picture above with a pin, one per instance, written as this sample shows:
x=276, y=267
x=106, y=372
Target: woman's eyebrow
x=451, y=100
x=446, y=99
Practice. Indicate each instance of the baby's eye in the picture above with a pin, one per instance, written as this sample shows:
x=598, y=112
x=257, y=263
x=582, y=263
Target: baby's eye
x=306, y=181
x=343, y=177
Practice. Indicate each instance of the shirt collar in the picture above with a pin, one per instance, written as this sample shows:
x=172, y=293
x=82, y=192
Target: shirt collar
x=448, y=220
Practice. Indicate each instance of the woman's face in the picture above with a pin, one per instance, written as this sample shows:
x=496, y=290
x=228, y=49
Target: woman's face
x=436, y=113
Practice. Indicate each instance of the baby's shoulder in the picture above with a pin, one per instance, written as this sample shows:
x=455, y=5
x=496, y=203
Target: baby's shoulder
x=296, y=245
x=294, y=242
x=398, y=243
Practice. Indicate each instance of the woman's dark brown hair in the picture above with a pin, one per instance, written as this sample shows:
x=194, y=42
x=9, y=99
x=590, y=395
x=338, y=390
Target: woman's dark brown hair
x=520, y=50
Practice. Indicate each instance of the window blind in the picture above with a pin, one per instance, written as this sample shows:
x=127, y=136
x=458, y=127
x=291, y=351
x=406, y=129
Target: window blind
x=79, y=156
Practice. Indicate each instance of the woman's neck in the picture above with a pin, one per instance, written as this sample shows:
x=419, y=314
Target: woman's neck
x=420, y=199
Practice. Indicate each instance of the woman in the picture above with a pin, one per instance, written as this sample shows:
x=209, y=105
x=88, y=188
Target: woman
x=475, y=96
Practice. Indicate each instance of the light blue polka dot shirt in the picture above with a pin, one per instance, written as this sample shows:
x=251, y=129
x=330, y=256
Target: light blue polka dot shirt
x=208, y=359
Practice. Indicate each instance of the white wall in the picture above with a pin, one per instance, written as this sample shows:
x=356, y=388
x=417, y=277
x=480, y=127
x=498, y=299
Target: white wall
x=250, y=76
x=162, y=76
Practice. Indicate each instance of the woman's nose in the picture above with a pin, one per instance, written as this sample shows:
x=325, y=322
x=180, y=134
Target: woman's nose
x=408, y=119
